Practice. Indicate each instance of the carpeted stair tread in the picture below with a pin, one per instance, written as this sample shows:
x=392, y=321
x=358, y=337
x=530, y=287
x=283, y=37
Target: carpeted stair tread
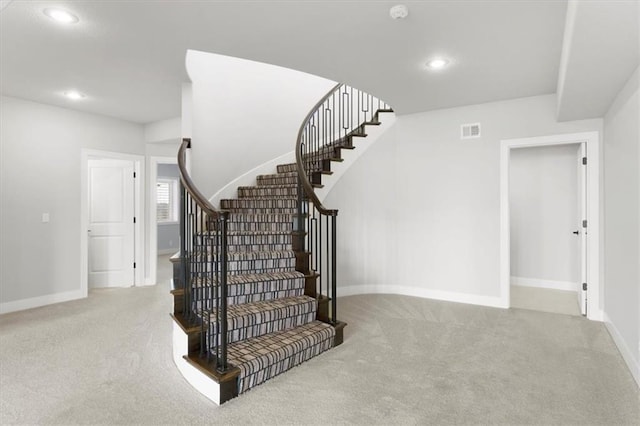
x=254, y=319
x=250, y=262
x=251, y=240
x=246, y=221
x=258, y=254
x=262, y=240
x=289, y=178
x=262, y=191
x=248, y=232
x=261, y=277
x=312, y=165
x=261, y=205
x=255, y=287
x=264, y=357
x=260, y=217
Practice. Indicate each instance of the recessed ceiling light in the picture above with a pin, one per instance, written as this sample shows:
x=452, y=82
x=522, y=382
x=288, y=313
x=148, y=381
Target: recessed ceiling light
x=74, y=95
x=62, y=16
x=437, y=63
x=399, y=11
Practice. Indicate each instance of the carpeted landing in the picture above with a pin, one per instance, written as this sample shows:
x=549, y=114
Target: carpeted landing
x=404, y=361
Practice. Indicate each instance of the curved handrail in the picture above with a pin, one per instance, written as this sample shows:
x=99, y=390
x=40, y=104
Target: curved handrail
x=304, y=179
x=191, y=188
x=204, y=264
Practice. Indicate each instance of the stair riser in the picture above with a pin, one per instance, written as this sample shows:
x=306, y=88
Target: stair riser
x=242, y=298
x=250, y=266
x=313, y=166
x=259, y=291
x=248, y=332
x=278, y=180
x=237, y=217
x=319, y=166
x=249, y=243
x=260, y=226
x=267, y=191
x=243, y=248
x=261, y=205
x=287, y=168
x=261, y=323
x=260, y=297
x=250, y=239
x=262, y=210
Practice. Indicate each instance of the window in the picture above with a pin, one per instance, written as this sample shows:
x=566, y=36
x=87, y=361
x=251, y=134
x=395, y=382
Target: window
x=166, y=200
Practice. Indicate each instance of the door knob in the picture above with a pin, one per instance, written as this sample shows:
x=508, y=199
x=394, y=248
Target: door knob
x=576, y=232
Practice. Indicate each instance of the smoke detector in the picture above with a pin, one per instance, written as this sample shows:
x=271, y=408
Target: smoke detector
x=399, y=11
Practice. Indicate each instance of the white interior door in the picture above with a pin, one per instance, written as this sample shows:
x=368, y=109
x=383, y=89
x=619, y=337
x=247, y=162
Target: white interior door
x=582, y=209
x=111, y=223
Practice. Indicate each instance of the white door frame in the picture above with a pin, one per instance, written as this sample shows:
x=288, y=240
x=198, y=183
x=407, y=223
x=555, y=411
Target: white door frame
x=152, y=215
x=139, y=188
x=592, y=140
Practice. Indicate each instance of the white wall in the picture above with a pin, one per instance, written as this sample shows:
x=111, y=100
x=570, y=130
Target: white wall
x=40, y=158
x=169, y=130
x=420, y=210
x=622, y=222
x=543, y=198
x=244, y=114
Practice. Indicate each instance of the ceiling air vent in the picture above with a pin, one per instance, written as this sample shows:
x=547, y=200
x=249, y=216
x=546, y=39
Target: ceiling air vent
x=470, y=131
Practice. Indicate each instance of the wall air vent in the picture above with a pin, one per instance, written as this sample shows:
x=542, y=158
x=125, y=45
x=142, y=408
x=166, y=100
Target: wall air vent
x=470, y=131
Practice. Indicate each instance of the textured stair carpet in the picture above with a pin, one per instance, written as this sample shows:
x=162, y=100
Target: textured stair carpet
x=264, y=357
x=255, y=319
x=404, y=361
x=272, y=326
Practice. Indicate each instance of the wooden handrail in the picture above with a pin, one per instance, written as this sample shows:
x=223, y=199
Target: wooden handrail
x=191, y=188
x=302, y=174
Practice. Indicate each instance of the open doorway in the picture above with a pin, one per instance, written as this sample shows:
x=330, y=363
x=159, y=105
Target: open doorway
x=546, y=214
x=164, y=231
x=549, y=224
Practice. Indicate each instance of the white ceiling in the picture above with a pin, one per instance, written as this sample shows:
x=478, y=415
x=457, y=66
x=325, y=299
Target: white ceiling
x=128, y=56
x=604, y=50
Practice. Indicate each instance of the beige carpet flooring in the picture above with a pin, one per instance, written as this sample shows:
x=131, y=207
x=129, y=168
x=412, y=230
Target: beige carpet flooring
x=545, y=299
x=405, y=361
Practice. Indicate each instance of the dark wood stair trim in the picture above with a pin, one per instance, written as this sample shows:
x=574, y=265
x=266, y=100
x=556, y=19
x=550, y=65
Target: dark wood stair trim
x=339, y=338
x=189, y=327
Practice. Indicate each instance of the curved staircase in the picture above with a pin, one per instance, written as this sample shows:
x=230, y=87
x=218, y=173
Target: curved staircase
x=251, y=292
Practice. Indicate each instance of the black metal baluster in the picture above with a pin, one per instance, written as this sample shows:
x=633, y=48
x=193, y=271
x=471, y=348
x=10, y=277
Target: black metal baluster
x=183, y=250
x=334, y=272
x=223, y=293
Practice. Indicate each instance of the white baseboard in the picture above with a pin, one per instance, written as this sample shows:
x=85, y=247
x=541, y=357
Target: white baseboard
x=625, y=351
x=472, y=299
x=147, y=282
x=540, y=283
x=36, y=302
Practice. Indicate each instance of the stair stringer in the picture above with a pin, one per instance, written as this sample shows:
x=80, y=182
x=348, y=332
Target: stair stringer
x=196, y=378
x=350, y=156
